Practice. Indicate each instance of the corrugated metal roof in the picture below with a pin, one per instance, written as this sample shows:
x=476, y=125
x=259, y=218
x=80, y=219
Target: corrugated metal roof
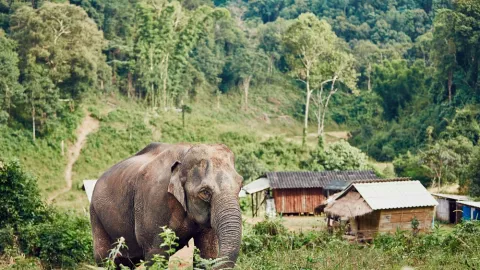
x=88, y=186
x=452, y=196
x=285, y=180
x=471, y=203
x=390, y=195
x=257, y=185
x=342, y=184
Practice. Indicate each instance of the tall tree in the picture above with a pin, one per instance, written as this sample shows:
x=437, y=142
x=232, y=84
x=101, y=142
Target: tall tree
x=60, y=57
x=309, y=42
x=311, y=45
x=367, y=55
x=9, y=87
x=340, y=69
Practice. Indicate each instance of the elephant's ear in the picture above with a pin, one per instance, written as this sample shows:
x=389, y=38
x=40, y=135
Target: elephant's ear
x=176, y=185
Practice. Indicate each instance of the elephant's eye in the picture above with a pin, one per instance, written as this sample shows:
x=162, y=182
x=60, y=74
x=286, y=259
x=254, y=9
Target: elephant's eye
x=205, y=195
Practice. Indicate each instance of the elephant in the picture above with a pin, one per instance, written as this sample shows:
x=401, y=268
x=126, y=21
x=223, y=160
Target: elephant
x=190, y=188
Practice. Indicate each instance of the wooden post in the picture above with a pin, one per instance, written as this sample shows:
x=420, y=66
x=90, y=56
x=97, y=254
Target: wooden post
x=63, y=147
x=253, y=212
x=256, y=204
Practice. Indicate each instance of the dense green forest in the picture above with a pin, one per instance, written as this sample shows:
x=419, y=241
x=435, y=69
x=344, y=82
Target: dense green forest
x=401, y=75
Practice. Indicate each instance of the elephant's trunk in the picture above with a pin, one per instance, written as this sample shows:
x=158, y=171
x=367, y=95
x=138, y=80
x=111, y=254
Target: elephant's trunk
x=227, y=222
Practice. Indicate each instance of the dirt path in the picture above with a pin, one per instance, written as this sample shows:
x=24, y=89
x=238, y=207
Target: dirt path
x=88, y=126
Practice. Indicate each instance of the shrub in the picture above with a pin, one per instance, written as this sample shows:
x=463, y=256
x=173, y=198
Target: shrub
x=28, y=226
x=61, y=241
x=20, y=200
x=270, y=227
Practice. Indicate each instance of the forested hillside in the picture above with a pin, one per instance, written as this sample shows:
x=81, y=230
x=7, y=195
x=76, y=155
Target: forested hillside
x=402, y=76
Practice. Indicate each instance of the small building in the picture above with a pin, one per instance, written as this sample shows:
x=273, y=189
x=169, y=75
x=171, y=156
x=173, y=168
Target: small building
x=470, y=210
x=447, y=210
x=302, y=192
x=383, y=207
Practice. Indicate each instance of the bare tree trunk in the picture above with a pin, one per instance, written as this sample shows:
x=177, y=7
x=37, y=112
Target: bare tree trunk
x=369, y=73
x=151, y=72
x=114, y=70
x=307, y=105
x=246, y=87
x=130, y=85
x=450, y=83
x=33, y=123
x=318, y=114
x=325, y=107
x=152, y=96
x=165, y=81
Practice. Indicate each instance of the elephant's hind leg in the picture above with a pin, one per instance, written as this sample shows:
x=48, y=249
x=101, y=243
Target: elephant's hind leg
x=101, y=240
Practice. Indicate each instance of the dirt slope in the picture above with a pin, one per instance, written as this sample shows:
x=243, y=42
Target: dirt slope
x=88, y=126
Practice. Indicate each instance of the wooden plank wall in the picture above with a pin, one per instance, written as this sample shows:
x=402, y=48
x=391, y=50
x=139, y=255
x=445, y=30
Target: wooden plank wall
x=297, y=201
x=392, y=219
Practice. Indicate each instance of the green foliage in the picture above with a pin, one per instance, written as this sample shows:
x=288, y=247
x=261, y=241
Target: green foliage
x=398, y=83
x=29, y=227
x=320, y=250
x=10, y=90
x=62, y=240
x=269, y=227
x=474, y=174
x=410, y=165
x=20, y=200
x=114, y=253
x=338, y=156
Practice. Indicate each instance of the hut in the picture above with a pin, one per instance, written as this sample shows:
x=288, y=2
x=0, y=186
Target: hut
x=447, y=210
x=383, y=206
x=470, y=210
x=302, y=192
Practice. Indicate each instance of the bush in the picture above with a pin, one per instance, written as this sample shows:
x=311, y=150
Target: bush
x=338, y=156
x=270, y=227
x=27, y=226
x=20, y=200
x=62, y=241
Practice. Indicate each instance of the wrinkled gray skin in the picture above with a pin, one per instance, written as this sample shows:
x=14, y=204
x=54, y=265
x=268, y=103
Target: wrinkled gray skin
x=192, y=189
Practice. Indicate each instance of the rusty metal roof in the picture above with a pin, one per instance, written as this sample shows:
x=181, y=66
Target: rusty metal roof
x=391, y=195
x=287, y=180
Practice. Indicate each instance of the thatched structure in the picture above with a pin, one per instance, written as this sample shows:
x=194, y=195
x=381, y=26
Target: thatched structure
x=380, y=207
x=349, y=206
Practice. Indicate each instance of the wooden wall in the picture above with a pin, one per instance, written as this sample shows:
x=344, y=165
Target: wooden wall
x=392, y=219
x=297, y=201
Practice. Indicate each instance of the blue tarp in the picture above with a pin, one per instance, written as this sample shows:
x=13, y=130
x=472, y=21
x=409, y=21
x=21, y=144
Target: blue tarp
x=466, y=212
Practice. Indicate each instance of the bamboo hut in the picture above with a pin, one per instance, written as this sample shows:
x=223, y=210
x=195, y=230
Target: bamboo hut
x=383, y=207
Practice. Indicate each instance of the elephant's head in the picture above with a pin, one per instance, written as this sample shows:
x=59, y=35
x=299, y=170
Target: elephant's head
x=205, y=182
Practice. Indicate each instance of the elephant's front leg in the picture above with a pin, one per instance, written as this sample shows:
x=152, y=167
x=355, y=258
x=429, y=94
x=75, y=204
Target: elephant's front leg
x=155, y=249
x=206, y=241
